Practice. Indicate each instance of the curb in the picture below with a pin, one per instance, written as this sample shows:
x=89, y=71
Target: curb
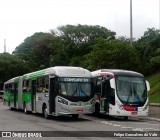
x=154, y=119
x=154, y=104
x=149, y=118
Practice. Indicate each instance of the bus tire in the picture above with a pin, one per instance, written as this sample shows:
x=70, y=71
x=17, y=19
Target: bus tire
x=45, y=112
x=25, y=108
x=75, y=116
x=97, y=109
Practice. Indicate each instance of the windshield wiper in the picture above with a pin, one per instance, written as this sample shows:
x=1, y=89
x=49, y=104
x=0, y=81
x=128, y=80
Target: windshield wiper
x=74, y=93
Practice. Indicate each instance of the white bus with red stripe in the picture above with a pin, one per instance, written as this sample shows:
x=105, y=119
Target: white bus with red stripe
x=120, y=93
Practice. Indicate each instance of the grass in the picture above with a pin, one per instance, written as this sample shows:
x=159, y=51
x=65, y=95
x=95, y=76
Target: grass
x=154, y=93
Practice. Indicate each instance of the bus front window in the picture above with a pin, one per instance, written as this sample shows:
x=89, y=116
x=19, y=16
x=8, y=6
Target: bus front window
x=85, y=89
x=76, y=89
x=131, y=90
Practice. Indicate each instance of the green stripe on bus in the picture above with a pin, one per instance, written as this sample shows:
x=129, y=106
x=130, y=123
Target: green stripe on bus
x=34, y=75
x=8, y=96
x=26, y=97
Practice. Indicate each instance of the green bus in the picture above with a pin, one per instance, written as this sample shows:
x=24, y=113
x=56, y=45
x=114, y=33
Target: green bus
x=53, y=91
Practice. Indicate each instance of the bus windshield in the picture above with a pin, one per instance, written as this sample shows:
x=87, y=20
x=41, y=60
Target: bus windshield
x=75, y=89
x=131, y=90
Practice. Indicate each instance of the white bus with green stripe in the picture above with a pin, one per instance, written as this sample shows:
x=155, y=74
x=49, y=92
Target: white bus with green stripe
x=53, y=91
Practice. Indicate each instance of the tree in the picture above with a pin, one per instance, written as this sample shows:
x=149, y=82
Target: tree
x=11, y=67
x=77, y=41
x=148, y=48
x=36, y=50
x=111, y=54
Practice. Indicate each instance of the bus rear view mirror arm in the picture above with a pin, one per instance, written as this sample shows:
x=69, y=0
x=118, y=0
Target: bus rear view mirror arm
x=112, y=83
x=148, y=86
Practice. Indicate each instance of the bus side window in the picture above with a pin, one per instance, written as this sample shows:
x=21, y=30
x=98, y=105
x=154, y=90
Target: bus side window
x=46, y=82
x=97, y=85
x=6, y=88
x=42, y=84
x=16, y=87
x=98, y=88
x=26, y=86
x=11, y=88
x=39, y=84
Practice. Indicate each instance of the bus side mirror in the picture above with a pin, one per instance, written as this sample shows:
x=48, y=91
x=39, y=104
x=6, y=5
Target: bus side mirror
x=148, y=86
x=112, y=83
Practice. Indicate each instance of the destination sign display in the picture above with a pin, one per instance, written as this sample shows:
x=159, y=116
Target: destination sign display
x=75, y=79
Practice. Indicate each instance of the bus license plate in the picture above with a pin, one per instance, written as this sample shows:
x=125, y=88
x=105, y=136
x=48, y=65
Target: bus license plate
x=133, y=113
x=79, y=111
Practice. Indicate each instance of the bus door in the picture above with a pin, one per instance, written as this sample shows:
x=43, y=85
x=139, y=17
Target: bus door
x=15, y=94
x=105, y=99
x=107, y=91
x=33, y=95
x=52, y=95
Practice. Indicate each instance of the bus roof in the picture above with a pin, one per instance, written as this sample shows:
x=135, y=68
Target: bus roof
x=15, y=79
x=117, y=72
x=60, y=71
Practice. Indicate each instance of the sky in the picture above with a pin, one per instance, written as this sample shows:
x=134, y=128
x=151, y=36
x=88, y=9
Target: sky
x=20, y=19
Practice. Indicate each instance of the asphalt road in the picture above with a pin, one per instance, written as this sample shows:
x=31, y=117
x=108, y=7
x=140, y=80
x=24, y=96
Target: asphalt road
x=154, y=112
x=87, y=127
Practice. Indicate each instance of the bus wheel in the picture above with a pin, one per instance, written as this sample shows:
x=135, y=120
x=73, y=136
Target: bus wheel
x=75, y=116
x=125, y=118
x=25, y=108
x=45, y=112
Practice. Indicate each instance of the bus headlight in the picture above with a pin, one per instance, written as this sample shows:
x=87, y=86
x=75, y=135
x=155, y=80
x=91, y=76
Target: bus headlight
x=63, y=101
x=93, y=101
x=119, y=106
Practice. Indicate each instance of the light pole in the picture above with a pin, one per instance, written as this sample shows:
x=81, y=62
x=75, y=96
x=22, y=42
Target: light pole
x=5, y=45
x=131, y=34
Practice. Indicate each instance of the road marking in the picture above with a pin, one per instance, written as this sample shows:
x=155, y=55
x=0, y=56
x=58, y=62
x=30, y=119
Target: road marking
x=125, y=127
x=116, y=125
x=109, y=123
x=155, y=119
x=141, y=123
x=137, y=129
x=148, y=128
